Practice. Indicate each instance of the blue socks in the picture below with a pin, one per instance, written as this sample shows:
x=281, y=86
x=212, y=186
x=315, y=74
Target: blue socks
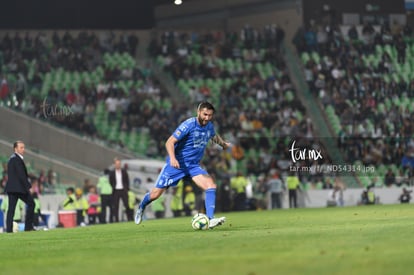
x=210, y=202
x=145, y=201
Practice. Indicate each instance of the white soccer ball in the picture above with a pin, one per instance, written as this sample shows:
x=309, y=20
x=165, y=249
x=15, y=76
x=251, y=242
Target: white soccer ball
x=200, y=221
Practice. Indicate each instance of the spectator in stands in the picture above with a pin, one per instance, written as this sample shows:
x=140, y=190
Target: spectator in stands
x=237, y=153
x=51, y=178
x=389, y=178
x=112, y=105
x=4, y=89
x=36, y=187
x=20, y=89
x=353, y=33
x=86, y=185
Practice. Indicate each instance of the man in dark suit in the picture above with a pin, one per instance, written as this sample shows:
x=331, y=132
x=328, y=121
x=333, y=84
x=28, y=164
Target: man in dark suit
x=18, y=187
x=119, y=181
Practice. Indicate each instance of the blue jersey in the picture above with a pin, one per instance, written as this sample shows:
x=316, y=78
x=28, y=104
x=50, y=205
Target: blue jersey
x=192, y=141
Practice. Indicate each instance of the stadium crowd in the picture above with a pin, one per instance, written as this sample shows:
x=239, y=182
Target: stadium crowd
x=364, y=77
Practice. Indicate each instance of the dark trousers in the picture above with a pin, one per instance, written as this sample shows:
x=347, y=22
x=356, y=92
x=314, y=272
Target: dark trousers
x=30, y=205
x=117, y=196
x=106, y=202
x=93, y=218
x=276, y=200
x=240, y=202
x=293, y=198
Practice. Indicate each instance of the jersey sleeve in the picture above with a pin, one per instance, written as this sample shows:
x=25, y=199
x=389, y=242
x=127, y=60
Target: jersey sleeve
x=182, y=130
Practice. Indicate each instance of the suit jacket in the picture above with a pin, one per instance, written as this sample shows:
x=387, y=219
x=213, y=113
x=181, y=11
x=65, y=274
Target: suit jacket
x=125, y=179
x=18, y=181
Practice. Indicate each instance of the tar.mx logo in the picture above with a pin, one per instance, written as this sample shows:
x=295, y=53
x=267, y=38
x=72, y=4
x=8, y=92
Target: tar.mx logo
x=298, y=154
x=53, y=110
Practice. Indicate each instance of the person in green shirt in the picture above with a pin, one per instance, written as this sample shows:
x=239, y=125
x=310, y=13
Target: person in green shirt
x=69, y=202
x=158, y=207
x=176, y=203
x=81, y=205
x=189, y=200
x=17, y=213
x=105, y=191
x=238, y=183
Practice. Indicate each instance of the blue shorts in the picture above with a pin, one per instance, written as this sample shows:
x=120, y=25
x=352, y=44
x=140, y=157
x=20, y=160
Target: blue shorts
x=170, y=176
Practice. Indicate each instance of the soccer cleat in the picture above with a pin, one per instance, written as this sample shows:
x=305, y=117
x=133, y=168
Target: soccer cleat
x=138, y=216
x=216, y=222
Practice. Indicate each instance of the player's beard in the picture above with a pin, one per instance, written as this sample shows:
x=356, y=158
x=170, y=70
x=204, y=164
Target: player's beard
x=202, y=122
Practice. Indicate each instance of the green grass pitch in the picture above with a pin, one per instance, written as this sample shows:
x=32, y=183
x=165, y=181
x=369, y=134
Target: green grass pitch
x=351, y=240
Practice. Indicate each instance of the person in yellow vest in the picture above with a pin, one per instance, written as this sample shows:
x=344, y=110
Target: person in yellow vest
x=81, y=205
x=176, y=203
x=17, y=213
x=370, y=195
x=105, y=192
x=238, y=183
x=293, y=185
x=69, y=202
x=158, y=207
x=37, y=210
x=132, y=200
x=189, y=200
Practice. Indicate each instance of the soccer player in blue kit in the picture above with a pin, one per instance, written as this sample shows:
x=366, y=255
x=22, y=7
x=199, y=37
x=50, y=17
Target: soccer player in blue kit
x=185, y=149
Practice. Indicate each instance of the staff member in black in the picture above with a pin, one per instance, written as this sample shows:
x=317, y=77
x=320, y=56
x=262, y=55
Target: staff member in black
x=18, y=187
x=119, y=180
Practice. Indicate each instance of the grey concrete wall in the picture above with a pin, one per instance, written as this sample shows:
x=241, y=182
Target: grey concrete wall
x=44, y=137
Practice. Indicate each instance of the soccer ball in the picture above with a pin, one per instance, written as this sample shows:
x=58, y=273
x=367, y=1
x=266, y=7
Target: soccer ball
x=200, y=222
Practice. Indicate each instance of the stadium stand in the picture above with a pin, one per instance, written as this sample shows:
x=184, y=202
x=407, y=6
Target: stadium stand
x=364, y=78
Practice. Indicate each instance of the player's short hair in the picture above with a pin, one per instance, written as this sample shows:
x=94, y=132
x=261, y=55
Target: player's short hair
x=206, y=105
